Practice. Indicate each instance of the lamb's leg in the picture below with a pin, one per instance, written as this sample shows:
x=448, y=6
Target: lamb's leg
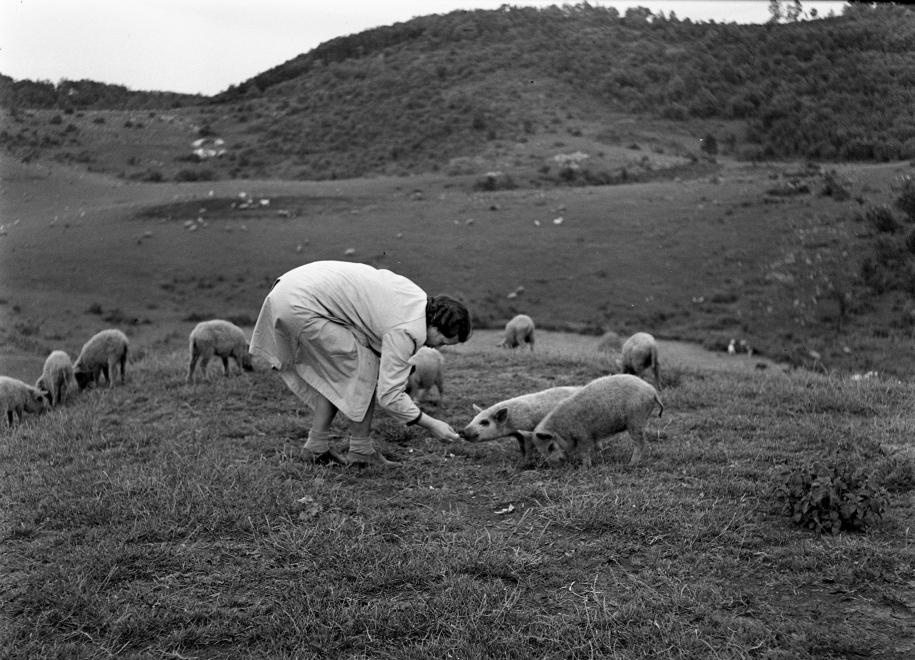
x=528, y=457
x=225, y=364
x=204, y=361
x=638, y=444
x=192, y=365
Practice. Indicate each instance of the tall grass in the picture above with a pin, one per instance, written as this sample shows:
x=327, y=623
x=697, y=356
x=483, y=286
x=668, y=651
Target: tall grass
x=165, y=519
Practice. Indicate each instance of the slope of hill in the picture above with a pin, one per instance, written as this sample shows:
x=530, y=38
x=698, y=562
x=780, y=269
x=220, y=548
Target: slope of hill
x=762, y=254
x=470, y=90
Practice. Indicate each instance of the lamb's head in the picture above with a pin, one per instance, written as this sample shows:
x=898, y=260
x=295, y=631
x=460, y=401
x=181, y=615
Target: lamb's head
x=37, y=401
x=246, y=363
x=83, y=377
x=551, y=445
x=489, y=424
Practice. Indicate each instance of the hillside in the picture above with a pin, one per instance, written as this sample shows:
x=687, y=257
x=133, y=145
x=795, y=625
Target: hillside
x=160, y=519
x=470, y=91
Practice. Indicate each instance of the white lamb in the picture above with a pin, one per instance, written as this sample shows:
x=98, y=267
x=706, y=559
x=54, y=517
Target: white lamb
x=509, y=417
x=603, y=407
x=640, y=352
x=99, y=356
x=519, y=330
x=221, y=338
x=57, y=378
x=18, y=397
x=427, y=372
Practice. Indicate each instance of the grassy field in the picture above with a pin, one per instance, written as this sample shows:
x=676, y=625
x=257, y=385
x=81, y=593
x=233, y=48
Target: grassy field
x=161, y=519
x=705, y=260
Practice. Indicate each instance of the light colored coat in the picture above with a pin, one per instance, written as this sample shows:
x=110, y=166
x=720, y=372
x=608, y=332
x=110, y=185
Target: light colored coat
x=17, y=397
x=345, y=331
x=519, y=330
x=428, y=372
x=512, y=416
x=639, y=353
x=221, y=338
x=603, y=407
x=101, y=355
x=57, y=377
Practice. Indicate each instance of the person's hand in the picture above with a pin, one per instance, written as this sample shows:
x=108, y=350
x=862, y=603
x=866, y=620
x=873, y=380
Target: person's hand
x=441, y=430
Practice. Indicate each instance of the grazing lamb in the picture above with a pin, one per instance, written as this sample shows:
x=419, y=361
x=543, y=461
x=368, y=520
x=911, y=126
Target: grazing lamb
x=427, y=372
x=518, y=331
x=218, y=337
x=57, y=378
x=18, y=397
x=603, y=407
x=609, y=342
x=99, y=356
x=639, y=353
x=511, y=416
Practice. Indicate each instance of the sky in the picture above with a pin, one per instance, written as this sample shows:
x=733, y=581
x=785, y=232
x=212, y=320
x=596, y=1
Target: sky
x=204, y=46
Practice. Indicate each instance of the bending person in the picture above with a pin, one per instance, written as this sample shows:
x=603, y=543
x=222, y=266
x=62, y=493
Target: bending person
x=341, y=336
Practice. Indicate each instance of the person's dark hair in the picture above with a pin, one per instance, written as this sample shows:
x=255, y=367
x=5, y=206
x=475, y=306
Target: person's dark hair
x=450, y=316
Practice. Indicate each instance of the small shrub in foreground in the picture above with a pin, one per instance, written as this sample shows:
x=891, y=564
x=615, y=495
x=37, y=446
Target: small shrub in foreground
x=830, y=498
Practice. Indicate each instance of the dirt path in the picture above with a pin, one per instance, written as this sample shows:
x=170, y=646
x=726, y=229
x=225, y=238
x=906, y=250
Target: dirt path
x=682, y=354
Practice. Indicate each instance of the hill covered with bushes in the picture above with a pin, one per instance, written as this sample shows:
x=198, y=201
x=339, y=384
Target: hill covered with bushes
x=415, y=96
x=836, y=88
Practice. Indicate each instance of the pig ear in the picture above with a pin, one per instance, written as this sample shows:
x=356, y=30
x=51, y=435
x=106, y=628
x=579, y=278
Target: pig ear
x=501, y=415
x=476, y=408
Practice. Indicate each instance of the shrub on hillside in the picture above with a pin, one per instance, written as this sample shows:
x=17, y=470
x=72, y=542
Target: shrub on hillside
x=832, y=498
x=495, y=181
x=906, y=200
x=195, y=175
x=882, y=219
x=834, y=187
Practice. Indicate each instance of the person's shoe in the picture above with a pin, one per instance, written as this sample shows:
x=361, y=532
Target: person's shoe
x=375, y=458
x=328, y=457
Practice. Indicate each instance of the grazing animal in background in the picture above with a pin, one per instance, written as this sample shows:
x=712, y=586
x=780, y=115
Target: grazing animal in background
x=101, y=355
x=511, y=416
x=221, y=338
x=519, y=330
x=603, y=407
x=609, y=342
x=640, y=352
x=57, y=379
x=427, y=372
x=17, y=397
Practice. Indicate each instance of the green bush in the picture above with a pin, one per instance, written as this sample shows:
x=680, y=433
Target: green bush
x=906, y=200
x=830, y=498
x=882, y=219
